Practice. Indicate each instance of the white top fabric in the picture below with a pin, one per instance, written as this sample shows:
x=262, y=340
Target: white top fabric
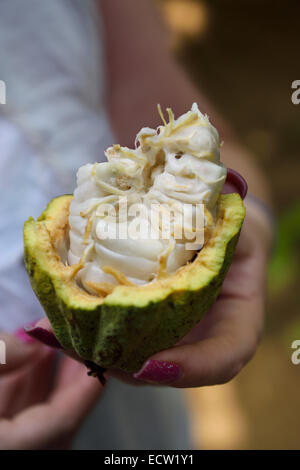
x=54, y=121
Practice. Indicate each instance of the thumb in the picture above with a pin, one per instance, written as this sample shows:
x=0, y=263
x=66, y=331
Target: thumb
x=219, y=352
x=14, y=354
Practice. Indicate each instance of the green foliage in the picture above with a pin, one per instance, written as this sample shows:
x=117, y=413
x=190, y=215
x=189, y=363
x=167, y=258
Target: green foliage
x=284, y=265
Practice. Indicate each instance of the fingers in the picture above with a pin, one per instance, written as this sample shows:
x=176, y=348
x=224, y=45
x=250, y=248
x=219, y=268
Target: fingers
x=42, y=332
x=235, y=183
x=17, y=353
x=27, y=385
x=226, y=345
x=45, y=426
x=81, y=396
x=43, y=323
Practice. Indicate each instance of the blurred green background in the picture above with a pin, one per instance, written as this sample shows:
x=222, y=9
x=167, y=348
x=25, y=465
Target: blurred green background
x=245, y=56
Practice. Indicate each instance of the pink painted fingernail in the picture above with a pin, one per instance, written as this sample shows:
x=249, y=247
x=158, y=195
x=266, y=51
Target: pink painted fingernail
x=235, y=183
x=44, y=336
x=23, y=337
x=158, y=372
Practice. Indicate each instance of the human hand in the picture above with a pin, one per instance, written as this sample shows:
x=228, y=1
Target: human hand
x=40, y=409
x=227, y=337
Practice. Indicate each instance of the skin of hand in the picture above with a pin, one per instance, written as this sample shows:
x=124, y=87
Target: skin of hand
x=228, y=335
x=40, y=410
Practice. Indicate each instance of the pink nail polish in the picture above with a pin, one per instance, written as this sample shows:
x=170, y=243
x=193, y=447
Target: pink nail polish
x=235, y=183
x=23, y=336
x=44, y=336
x=158, y=372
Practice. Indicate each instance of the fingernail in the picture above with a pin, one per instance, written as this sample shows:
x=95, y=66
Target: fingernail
x=44, y=336
x=235, y=183
x=23, y=337
x=158, y=372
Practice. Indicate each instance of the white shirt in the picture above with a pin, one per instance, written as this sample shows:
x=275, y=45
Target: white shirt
x=54, y=121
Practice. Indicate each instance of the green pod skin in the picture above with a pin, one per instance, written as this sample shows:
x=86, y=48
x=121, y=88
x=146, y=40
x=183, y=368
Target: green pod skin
x=123, y=329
